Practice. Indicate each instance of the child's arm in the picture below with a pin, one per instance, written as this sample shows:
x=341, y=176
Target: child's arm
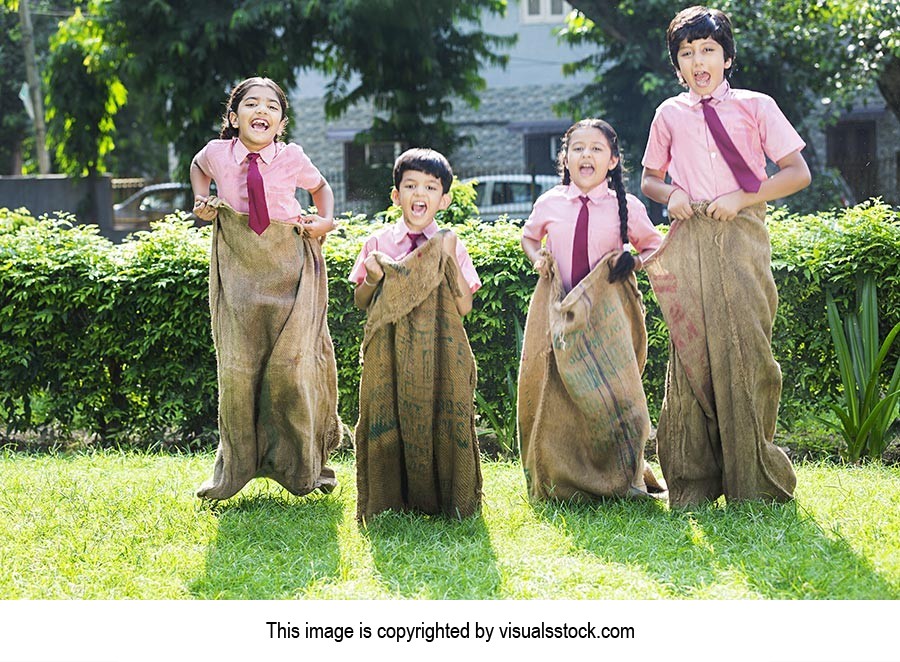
x=792, y=176
x=532, y=248
x=322, y=222
x=677, y=201
x=362, y=295
x=464, y=301
x=200, y=182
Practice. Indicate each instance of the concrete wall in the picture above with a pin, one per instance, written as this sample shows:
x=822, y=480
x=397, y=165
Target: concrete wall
x=89, y=200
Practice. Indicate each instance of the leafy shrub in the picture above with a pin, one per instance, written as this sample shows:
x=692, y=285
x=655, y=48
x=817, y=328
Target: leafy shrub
x=115, y=339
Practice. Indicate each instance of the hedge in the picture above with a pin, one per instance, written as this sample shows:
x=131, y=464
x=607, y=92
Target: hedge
x=114, y=339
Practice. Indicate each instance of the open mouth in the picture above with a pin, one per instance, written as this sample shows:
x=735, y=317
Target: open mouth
x=702, y=78
x=585, y=170
x=419, y=208
x=259, y=125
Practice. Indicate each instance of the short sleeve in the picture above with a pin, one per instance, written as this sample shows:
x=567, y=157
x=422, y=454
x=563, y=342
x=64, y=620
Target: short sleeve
x=658, y=153
x=308, y=175
x=467, y=267
x=204, y=162
x=358, y=272
x=535, y=227
x=778, y=136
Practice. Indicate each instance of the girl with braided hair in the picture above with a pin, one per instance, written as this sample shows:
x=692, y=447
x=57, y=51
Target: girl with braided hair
x=582, y=412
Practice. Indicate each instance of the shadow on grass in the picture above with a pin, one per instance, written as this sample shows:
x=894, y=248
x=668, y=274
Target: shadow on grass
x=773, y=551
x=420, y=556
x=271, y=547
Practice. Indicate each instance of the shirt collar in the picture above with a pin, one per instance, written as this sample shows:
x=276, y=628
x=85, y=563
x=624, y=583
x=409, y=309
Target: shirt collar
x=240, y=150
x=722, y=92
x=401, y=229
x=596, y=194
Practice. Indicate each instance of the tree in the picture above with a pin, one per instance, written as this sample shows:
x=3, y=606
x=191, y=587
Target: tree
x=407, y=56
x=84, y=94
x=809, y=56
x=14, y=122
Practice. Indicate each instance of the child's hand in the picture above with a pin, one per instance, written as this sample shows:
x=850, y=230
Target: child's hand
x=727, y=206
x=541, y=267
x=374, y=272
x=316, y=226
x=449, y=243
x=205, y=207
x=679, y=206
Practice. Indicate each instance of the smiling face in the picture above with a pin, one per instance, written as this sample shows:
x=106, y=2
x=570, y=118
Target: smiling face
x=702, y=65
x=589, y=158
x=259, y=118
x=420, y=196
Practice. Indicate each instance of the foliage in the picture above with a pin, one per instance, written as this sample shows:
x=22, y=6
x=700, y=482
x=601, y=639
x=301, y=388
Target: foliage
x=13, y=120
x=868, y=408
x=500, y=414
x=407, y=57
x=84, y=94
x=114, y=339
x=807, y=55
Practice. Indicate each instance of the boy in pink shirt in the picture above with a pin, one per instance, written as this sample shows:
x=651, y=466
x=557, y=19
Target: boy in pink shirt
x=416, y=447
x=712, y=275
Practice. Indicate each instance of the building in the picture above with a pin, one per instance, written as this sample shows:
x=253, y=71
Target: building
x=514, y=130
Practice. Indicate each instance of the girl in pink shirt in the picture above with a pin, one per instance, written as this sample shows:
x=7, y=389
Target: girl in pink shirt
x=591, y=170
x=268, y=295
x=582, y=412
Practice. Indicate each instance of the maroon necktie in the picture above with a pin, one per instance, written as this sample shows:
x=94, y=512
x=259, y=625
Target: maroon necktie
x=417, y=239
x=581, y=265
x=739, y=168
x=256, y=193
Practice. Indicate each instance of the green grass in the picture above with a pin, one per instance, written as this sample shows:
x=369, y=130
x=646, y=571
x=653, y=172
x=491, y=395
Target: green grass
x=111, y=525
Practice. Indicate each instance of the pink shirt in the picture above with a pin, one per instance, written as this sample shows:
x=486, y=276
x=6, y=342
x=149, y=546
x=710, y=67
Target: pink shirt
x=393, y=242
x=681, y=143
x=555, y=214
x=284, y=168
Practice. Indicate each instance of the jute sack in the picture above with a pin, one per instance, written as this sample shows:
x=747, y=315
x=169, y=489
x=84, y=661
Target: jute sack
x=714, y=284
x=582, y=412
x=416, y=447
x=268, y=296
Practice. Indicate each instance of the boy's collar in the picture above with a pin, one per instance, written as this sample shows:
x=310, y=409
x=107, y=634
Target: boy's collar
x=267, y=153
x=401, y=229
x=718, y=94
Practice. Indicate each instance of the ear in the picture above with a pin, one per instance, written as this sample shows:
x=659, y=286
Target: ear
x=281, y=127
x=233, y=119
x=395, y=196
x=613, y=162
x=728, y=63
x=446, y=199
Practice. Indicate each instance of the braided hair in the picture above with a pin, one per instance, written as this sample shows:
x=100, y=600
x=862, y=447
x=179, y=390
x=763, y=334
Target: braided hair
x=624, y=265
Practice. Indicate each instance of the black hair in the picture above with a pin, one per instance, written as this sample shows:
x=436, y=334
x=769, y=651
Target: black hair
x=625, y=263
x=700, y=22
x=237, y=95
x=422, y=159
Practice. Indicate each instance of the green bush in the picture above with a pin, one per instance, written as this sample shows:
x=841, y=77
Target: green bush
x=114, y=339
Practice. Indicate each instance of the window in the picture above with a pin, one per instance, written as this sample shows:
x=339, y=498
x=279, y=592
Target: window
x=544, y=11
x=368, y=170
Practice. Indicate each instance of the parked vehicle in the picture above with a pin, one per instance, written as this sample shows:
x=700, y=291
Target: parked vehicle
x=152, y=203
x=510, y=195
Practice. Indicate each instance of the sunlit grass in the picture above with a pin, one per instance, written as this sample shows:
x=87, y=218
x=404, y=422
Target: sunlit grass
x=110, y=525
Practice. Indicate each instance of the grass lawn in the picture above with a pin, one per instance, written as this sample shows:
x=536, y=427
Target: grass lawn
x=111, y=525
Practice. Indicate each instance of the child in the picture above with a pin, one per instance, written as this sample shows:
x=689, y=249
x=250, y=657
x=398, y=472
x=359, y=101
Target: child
x=416, y=447
x=268, y=293
x=712, y=276
x=582, y=413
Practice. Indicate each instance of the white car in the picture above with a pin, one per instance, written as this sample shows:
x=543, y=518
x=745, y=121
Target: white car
x=511, y=195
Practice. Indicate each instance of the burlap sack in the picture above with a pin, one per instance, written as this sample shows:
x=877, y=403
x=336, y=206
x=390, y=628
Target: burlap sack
x=582, y=412
x=714, y=284
x=416, y=447
x=268, y=296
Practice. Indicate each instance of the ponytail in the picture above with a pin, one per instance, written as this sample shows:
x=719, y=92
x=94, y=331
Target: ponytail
x=625, y=263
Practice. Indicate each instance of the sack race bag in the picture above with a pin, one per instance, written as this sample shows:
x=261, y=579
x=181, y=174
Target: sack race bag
x=582, y=413
x=713, y=280
x=268, y=296
x=416, y=447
